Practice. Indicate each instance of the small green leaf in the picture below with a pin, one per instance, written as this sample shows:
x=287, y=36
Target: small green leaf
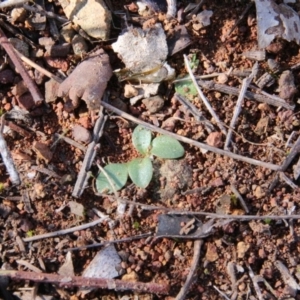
x=166, y=147
x=140, y=171
x=141, y=139
x=185, y=87
x=118, y=174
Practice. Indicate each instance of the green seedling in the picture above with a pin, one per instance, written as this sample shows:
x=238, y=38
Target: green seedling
x=139, y=170
x=136, y=225
x=1, y=187
x=30, y=233
x=267, y=221
x=234, y=200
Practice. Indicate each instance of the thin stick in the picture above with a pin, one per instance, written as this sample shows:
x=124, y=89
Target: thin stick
x=8, y=161
x=294, y=151
x=195, y=112
x=266, y=98
x=204, y=99
x=89, y=157
x=249, y=5
x=36, y=95
x=48, y=14
x=105, y=243
x=8, y=3
x=237, y=110
x=69, y=141
x=255, y=284
x=62, y=232
x=79, y=281
x=239, y=196
x=184, y=290
x=37, y=67
x=213, y=215
x=221, y=293
x=190, y=141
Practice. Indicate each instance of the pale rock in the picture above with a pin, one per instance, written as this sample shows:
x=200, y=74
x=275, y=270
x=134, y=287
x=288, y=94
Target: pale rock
x=215, y=139
x=242, y=249
x=130, y=91
x=81, y=134
x=132, y=276
x=154, y=104
x=91, y=15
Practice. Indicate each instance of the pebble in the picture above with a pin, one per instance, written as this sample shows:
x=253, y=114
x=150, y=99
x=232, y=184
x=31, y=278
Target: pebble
x=7, y=76
x=222, y=78
x=154, y=104
x=26, y=101
x=211, y=252
x=79, y=45
x=67, y=32
x=242, y=248
x=57, y=63
x=42, y=151
x=7, y=107
x=21, y=46
x=259, y=193
x=215, y=139
x=51, y=88
x=58, y=50
x=132, y=276
x=91, y=15
x=217, y=182
x=130, y=91
x=81, y=134
x=18, y=14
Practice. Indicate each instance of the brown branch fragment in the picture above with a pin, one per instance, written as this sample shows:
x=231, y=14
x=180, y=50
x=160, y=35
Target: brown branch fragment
x=190, y=141
x=36, y=95
x=237, y=110
x=62, y=232
x=223, y=88
x=184, y=290
x=43, y=12
x=30, y=63
x=79, y=281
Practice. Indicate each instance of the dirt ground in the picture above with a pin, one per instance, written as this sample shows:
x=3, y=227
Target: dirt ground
x=241, y=258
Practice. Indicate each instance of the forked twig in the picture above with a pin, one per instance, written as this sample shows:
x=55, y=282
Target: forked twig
x=105, y=243
x=184, y=290
x=202, y=96
x=8, y=47
x=63, y=231
x=237, y=110
x=79, y=281
x=263, y=97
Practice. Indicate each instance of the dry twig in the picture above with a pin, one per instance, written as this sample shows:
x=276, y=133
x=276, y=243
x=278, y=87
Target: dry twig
x=238, y=107
x=72, y=281
x=89, y=157
x=202, y=96
x=265, y=98
x=36, y=95
x=62, y=232
x=184, y=290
